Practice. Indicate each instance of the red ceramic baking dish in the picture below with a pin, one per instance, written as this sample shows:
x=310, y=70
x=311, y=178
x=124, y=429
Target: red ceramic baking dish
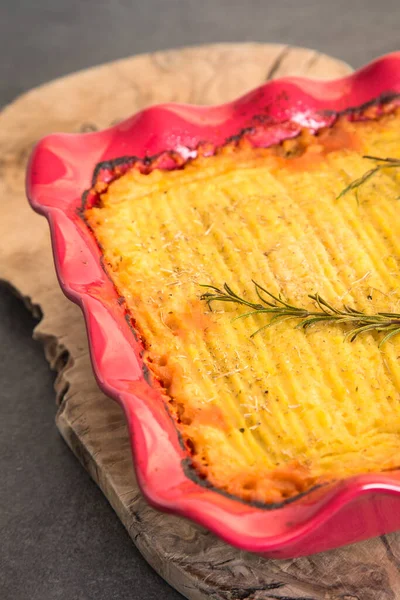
x=61, y=168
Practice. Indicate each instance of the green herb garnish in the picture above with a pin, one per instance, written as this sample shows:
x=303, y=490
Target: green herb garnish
x=383, y=163
x=280, y=310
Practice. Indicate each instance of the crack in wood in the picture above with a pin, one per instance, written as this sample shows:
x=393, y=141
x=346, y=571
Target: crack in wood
x=246, y=593
x=393, y=559
x=274, y=68
x=312, y=61
x=273, y=597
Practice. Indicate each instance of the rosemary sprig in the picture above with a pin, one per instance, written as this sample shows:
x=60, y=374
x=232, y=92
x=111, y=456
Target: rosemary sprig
x=383, y=163
x=280, y=310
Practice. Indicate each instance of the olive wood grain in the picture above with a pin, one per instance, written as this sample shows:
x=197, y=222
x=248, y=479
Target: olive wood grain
x=191, y=559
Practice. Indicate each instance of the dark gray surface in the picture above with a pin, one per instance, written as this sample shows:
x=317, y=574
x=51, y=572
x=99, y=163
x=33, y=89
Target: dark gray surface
x=59, y=537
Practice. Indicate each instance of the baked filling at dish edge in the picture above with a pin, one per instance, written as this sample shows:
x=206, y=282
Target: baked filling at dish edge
x=267, y=417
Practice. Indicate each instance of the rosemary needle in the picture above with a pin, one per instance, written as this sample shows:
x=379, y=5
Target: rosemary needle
x=280, y=310
x=383, y=163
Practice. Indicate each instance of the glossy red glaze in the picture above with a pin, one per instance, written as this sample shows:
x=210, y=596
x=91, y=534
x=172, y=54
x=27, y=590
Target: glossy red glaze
x=61, y=168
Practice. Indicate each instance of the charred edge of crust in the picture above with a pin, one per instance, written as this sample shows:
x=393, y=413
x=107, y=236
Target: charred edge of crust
x=149, y=161
x=192, y=473
x=115, y=162
x=235, y=138
x=128, y=319
x=80, y=210
x=384, y=98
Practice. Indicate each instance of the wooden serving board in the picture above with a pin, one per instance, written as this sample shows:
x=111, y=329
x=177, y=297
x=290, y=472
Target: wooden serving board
x=191, y=559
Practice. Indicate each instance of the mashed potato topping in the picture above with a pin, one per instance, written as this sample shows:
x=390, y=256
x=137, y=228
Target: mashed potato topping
x=266, y=418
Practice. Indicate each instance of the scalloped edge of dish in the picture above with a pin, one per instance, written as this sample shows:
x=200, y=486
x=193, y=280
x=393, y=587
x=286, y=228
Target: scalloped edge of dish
x=60, y=169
